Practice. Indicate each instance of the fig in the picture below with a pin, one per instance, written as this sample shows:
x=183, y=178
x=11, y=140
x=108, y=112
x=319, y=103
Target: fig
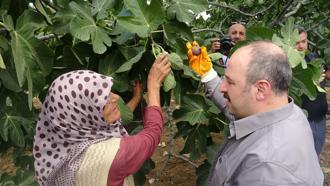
x=196, y=50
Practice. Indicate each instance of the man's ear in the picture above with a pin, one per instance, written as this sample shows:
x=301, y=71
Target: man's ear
x=263, y=89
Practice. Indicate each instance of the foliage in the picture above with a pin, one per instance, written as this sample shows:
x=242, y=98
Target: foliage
x=41, y=39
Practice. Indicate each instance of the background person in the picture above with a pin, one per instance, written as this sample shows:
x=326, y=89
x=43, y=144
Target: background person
x=236, y=33
x=318, y=108
x=270, y=140
x=79, y=136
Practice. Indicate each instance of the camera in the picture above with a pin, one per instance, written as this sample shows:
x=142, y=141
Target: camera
x=225, y=45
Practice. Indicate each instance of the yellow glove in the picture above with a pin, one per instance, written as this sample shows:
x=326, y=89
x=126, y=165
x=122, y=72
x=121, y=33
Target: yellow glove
x=199, y=60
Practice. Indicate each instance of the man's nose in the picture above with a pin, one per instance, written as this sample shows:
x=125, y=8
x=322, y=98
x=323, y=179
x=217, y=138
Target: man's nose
x=222, y=87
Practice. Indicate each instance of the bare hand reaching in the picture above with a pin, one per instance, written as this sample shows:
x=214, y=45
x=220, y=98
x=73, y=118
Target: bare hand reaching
x=159, y=70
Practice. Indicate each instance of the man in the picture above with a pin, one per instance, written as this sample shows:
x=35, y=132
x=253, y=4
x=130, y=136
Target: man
x=270, y=140
x=318, y=108
x=236, y=33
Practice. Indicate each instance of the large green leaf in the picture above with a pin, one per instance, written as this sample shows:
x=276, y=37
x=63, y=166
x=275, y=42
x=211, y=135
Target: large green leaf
x=121, y=34
x=193, y=109
x=176, y=61
x=128, y=64
x=85, y=28
x=101, y=7
x=169, y=82
x=146, y=17
x=295, y=57
x=174, y=30
x=111, y=63
x=28, y=52
x=202, y=173
x=255, y=33
x=11, y=130
x=9, y=80
x=289, y=34
x=186, y=10
x=25, y=48
x=132, y=55
x=303, y=80
x=196, y=142
x=41, y=9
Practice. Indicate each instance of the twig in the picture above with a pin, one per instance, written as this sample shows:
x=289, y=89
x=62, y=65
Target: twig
x=185, y=159
x=295, y=10
x=326, y=19
x=224, y=5
x=276, y=20
x=46, y=37
x=206, y=30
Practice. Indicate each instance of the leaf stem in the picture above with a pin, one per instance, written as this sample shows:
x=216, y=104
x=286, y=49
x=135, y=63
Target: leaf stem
x=157, y=31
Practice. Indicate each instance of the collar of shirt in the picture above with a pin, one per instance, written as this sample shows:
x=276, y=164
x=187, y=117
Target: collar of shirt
x=246, y=126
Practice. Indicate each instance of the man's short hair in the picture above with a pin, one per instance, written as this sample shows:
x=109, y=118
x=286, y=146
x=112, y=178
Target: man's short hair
x=300, y=29
x=269, y=62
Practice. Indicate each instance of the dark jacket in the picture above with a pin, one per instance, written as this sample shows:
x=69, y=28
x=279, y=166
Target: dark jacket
x=318, y=108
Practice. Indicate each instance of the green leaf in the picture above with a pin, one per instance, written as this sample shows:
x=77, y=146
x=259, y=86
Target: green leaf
x=2, y=64
x=125, y=112
x=294, y=56
x=215, y=56
x=121, y=34
x=176, y=61
x=111, y=63
x=193, y=109
x=120, y=82
x=195, y=143
x=100, y=8
x=169, y=82
x=302, y=79
x=187, y=72
x=28, y=52
x=84, y=28
x=145, y=17
x=186, y=10
x=289, y=34
x=132, y=57
x=62, y=21
x=41, y=9
x=10, y=129
x=174, y=30
x=202, y=173
x=211, y=152
x=255, y=33
x=9, y=80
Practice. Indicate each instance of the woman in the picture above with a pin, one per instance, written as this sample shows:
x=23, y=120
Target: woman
x=79, y=137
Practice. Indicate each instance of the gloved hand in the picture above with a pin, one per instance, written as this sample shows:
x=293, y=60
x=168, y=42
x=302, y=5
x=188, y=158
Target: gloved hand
x=199, y=60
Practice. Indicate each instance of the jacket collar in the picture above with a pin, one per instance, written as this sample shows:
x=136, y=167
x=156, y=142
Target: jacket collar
x=245, y=126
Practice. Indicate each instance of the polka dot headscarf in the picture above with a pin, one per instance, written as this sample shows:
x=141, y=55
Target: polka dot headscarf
x=71, y=120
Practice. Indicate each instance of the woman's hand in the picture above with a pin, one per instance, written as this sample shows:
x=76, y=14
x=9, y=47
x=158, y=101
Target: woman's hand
x=159, y=70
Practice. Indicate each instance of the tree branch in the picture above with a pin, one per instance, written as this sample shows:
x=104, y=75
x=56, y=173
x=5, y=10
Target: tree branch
x=326, y=19
x=224, y=5
x=295, y=10
x=280, y=15
x=184, y=159
x=206, y=30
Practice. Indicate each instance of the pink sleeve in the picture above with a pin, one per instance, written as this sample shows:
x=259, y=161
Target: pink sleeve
x=134, y=150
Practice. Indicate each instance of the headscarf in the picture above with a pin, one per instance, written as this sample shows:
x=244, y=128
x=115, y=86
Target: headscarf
x=71, y=120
